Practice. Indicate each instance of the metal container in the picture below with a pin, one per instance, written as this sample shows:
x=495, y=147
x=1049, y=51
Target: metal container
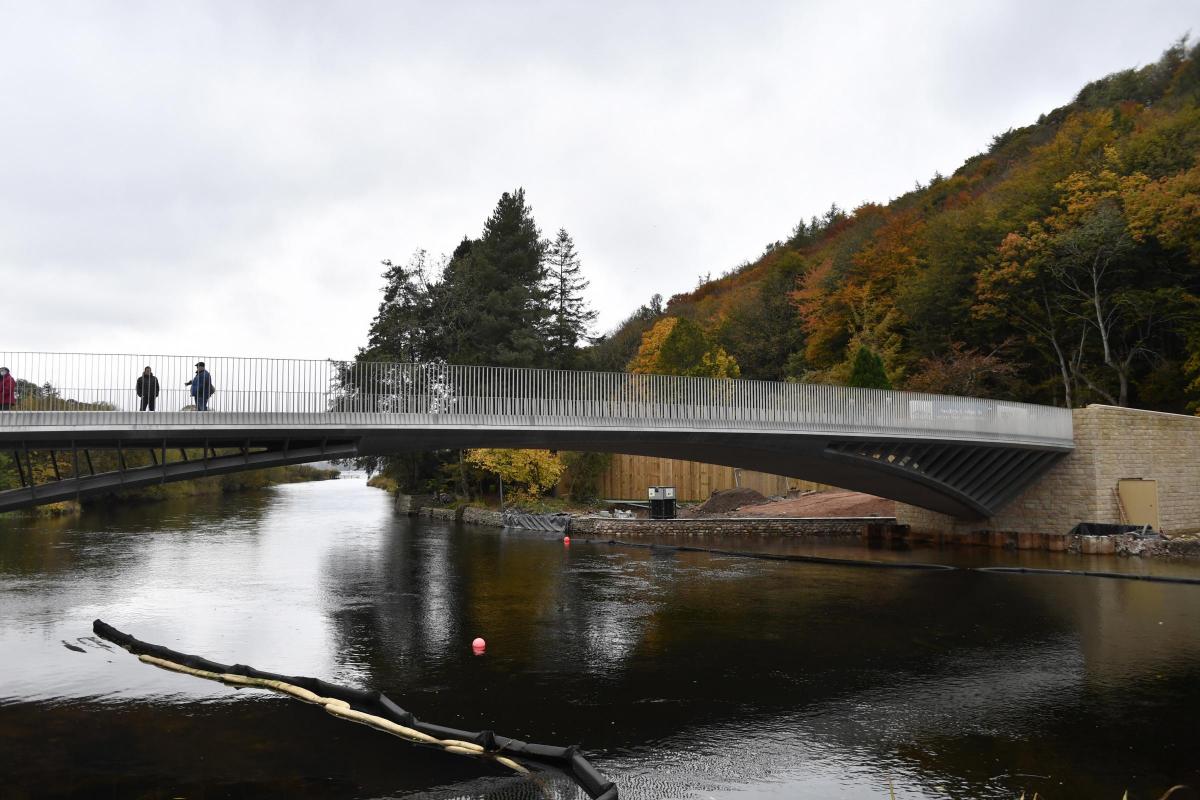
x=662, y=502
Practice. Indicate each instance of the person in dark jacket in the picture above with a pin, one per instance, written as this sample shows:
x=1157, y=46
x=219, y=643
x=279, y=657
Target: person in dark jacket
x=8, y=390
x=147, y=389
x=202, y=387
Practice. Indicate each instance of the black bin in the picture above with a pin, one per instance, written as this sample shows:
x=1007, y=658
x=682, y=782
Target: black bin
x=662, y=502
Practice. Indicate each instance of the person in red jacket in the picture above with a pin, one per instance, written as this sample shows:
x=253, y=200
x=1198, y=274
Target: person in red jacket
x=8, y=390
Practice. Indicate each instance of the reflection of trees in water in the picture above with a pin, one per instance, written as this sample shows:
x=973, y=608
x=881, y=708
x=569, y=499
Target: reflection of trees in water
x=630, y=619
x=414, y=604
x=897, y=663
x=33, y=546
x=617, y=648
x=393, y=606
x=108, y=542
x=1127, y=630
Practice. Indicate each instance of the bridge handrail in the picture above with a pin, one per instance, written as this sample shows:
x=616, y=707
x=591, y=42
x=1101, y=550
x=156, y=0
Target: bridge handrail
x=81, y=389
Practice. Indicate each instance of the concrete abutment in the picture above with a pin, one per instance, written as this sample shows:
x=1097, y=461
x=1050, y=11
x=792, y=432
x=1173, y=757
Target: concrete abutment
x=1111, y=444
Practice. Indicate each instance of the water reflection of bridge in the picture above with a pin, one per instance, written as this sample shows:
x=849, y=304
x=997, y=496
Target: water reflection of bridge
x=957, y=455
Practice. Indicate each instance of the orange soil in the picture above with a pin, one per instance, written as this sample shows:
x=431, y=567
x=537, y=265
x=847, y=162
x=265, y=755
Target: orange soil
x=835, y=503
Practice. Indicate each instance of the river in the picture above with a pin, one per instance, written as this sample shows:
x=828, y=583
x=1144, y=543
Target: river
x=680, y=674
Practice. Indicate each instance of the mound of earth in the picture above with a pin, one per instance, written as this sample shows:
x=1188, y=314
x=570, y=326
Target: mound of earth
x=727, y=500
x=835, y=503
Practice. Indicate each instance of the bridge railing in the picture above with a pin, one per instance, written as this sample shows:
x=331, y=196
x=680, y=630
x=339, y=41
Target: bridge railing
x=88, y=389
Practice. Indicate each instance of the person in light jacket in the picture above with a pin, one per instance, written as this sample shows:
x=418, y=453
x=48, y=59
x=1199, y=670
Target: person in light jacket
x=8, y=390
x=147, y=389
x=202, y=387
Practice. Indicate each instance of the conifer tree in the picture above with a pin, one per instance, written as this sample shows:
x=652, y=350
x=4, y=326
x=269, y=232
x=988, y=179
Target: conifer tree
x=868, y=371
x=498, y=282
x=404, y=325
x=570, y=315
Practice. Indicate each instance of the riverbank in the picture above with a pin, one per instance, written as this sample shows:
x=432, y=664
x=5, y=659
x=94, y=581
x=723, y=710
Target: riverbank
x=839, y=504
x=810, y=514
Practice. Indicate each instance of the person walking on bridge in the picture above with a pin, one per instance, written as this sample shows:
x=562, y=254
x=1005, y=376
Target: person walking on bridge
x=147, y=389
x=202, y=386
x=8, y=390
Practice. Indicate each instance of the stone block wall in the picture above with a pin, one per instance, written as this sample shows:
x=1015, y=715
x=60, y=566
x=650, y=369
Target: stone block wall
x=446, y=514
x=483, y=516
x=782, y=526
x=1110, y=444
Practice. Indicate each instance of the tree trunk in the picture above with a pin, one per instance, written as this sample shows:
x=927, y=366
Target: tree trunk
x=463, y=486
x=1100, y=390
x=1064, y=369
x=1066, y=375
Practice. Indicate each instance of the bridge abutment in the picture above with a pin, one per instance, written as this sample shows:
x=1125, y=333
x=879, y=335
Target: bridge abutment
x=1111, y=444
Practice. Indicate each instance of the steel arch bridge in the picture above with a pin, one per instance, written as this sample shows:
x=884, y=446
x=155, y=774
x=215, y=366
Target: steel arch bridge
x=961, y=456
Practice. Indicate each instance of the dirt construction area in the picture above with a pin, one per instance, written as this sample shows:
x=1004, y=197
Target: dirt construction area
x=833, y=503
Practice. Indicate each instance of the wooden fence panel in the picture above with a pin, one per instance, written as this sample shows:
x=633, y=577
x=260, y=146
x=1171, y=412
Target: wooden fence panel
x=628, y=477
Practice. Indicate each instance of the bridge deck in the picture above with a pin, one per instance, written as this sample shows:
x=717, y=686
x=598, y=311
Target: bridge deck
x=959, y=455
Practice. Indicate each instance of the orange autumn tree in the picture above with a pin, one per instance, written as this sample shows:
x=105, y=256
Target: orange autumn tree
x=1167, y=209
x=645, y=361
x=860, y=312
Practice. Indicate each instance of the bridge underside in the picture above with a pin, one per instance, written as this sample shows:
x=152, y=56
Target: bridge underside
x=961, y=478
x=216, y=459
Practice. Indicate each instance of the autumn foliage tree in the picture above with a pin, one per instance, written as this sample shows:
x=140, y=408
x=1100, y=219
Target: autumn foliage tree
x=1076, y=281
x=531, y=472
x=678, y=346
x=1166, y=210
x=964, y=371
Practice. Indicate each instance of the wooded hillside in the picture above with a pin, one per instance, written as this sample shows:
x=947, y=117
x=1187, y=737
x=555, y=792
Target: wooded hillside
x=1060, y=266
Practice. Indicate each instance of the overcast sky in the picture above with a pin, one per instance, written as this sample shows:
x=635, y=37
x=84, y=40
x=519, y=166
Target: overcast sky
x=224, y=178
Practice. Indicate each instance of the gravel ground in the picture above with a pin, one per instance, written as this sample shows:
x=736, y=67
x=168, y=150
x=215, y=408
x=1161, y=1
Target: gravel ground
x=834, y=503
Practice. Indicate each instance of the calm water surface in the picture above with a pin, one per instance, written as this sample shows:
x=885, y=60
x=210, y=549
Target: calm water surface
x=681, y=674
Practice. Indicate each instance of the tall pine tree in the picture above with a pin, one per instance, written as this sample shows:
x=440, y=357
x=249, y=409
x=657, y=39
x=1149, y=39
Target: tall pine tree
x=570, y=315
x=498, y=282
